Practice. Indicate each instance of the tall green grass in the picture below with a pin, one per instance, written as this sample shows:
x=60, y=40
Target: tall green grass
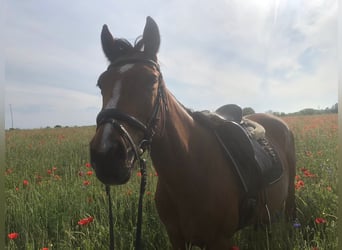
x=50, y=188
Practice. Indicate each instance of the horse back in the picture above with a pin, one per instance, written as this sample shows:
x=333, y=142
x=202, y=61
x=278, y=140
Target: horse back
x=277, y=132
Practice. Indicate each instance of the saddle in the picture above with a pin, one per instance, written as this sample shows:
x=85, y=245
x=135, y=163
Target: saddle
x=246, y=146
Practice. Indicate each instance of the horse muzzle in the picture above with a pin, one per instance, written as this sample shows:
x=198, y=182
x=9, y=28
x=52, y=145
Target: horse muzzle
x=111, y=159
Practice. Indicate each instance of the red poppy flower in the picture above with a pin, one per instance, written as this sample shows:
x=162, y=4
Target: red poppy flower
x=234, y=248
x=89, y=173
x=45, y=248
x=86, y=183
x=307, y=173
x=88, y=165
x=13, y=236
x=139, y=174
x=299, y=184
x=320, y=220
x=8, y=171
x=85, y=221
x=25, y=182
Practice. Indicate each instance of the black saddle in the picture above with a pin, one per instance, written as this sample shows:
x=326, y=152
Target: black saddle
x=254, y=160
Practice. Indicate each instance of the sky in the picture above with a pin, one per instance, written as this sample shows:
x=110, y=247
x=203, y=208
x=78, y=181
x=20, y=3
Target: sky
x=278, y=55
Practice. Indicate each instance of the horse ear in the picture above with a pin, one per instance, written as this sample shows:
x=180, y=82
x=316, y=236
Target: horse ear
x=108, y=43
x=151, y=37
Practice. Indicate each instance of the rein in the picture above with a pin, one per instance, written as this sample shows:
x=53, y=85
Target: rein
x=115, y=117
x=143, y=183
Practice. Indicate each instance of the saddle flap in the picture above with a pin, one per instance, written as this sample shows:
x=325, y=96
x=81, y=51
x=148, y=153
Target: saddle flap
x=241, y=153
x=255, y=161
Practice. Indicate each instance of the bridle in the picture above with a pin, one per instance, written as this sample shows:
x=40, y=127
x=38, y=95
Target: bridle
x=115, y=117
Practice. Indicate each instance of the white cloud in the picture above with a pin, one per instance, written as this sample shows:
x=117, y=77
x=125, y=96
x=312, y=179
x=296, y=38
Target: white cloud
x=265, y=54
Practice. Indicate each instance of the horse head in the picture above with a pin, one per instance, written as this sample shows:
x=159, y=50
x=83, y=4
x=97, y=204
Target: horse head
x=131, y=89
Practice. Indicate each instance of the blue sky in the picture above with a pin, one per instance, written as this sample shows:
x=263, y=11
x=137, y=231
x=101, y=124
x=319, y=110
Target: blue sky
x=278, y=55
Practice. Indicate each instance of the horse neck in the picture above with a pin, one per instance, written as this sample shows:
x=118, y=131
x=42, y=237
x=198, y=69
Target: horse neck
x=173, y=141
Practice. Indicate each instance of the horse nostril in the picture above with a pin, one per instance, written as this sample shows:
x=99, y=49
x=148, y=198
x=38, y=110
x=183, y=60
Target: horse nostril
x=106, y=151
x=107, y=146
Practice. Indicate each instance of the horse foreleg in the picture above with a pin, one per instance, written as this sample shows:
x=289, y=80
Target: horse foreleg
x=168, y=215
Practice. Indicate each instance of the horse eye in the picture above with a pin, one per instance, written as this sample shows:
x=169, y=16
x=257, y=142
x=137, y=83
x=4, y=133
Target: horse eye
x=151, y=79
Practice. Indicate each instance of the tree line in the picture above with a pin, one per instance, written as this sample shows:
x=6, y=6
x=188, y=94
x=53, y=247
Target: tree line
x=307, y=111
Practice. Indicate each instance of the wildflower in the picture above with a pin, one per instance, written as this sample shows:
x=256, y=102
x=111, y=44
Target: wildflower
x=329, y=188
x=49, y=171
x=139, y=174
x=45, y=248
x=88, y=165
x=320, y=220
x=13, y=236
x=54, y=169
x=308, y=153
x=234, y=248
x=8, y=171
x=25, y=183
x=80, y=173
x=86, y=183
x=308, y=174
x=89, y=173
x=57, y=177
x=296, y=224
x=85, y=221
x=299, y=184
x=39, y=178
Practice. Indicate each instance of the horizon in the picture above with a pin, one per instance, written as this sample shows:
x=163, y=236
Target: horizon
x=276, y=113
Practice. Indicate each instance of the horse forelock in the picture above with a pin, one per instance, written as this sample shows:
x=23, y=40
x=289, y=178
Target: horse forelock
x=122, y=47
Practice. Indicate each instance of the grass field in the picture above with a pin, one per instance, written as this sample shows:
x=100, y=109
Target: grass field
x=54, y=201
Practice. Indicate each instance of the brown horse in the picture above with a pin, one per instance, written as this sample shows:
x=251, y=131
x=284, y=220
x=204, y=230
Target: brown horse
x=198, y=195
